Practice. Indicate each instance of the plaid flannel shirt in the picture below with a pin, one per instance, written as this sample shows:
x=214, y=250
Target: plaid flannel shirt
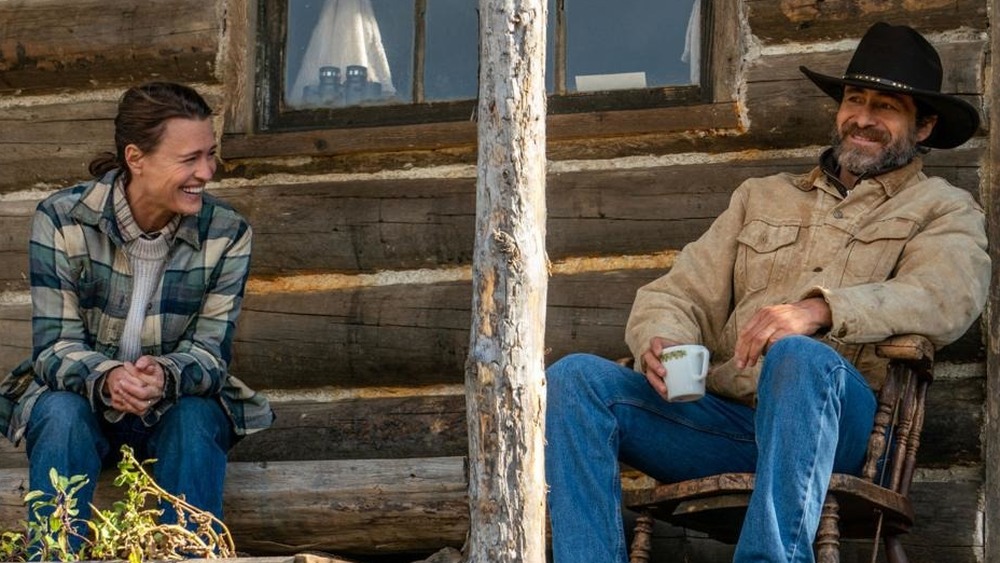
x=80, y=291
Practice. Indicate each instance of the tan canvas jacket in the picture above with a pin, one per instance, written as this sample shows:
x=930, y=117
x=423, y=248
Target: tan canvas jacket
x=903, y=253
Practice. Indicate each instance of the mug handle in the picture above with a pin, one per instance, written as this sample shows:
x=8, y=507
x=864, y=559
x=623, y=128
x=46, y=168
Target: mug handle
x=704, y=363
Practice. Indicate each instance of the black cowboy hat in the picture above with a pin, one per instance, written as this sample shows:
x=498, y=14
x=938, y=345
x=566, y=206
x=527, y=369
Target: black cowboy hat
x=895, y=58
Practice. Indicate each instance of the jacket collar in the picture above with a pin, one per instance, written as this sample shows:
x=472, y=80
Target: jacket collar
x=97, y=208
x=892, y=181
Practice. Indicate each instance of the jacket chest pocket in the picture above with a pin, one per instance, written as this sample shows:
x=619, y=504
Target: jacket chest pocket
x=874, y=251
x=765, y=251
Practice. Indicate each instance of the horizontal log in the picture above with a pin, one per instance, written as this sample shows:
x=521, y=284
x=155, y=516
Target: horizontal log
x=102, y=43
x=15, y=326
x=392, y=427
x=459, y=134
x=435, y=426
x=377, y=225
x=412, y=335
x=50, y=144
x=365, y=506
x=406, y=335
x=819, y=20
x=376, y=428
x=355, y=506
x=402, y=224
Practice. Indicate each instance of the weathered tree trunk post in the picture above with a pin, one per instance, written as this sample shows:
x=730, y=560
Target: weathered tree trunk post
x=505, y=379
x=991, y=200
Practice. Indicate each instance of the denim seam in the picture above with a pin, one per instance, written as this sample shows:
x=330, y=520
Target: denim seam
x=616, y=486
x=827, y=402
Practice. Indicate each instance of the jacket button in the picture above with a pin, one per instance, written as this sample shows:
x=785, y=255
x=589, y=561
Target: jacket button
x=818, y=269
x=842, y=332
x=838, y=214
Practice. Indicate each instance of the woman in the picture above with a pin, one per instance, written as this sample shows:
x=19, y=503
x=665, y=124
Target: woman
x=137, y=278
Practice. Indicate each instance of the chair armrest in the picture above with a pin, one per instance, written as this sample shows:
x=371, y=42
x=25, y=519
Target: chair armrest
x=906, y=347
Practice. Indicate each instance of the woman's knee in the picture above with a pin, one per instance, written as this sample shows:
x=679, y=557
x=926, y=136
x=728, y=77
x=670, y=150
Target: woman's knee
x=195, y=419
x=62, y=419
x=60, y=411
x=60, y=405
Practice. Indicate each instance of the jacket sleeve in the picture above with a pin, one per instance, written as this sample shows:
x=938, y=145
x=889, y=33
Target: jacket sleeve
x=62, y=349
x=692, y=302
x=938, y=289
x=199, y=363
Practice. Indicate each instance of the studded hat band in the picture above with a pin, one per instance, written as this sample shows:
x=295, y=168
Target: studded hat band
x=877, y=80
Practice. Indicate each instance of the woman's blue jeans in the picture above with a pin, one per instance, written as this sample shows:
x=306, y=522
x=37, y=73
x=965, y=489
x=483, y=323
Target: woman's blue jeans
x=189, y=444
x=814, y=415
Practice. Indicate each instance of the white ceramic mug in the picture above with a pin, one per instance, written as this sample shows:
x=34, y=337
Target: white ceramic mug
x=687, y=366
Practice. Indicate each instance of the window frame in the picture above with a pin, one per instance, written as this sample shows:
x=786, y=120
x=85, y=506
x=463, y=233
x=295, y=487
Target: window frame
x=258, y=53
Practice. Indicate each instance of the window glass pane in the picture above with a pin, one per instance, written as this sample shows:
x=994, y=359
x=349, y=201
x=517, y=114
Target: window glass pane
x=348, y=52
x=452, y=50
x=630, y=44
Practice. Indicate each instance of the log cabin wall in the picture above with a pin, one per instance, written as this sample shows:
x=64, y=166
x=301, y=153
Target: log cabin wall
x=357, y=311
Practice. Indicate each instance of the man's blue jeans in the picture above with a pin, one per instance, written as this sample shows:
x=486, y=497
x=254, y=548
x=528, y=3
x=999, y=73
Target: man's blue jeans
x=813, y=417
x=189, y=444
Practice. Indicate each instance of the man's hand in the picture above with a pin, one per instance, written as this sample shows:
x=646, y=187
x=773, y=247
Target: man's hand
x=652, y=368
x=769, y=324
x=135, y=388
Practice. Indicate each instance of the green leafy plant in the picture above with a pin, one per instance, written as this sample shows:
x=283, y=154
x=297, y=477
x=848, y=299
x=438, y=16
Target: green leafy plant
x=130, y=530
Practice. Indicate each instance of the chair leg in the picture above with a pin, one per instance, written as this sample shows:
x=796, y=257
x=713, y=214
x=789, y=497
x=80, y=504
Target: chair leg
x=828, y=535
x=894, y=552
x=642, y=540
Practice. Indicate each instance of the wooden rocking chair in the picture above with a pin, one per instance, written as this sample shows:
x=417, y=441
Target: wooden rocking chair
x=874, y=505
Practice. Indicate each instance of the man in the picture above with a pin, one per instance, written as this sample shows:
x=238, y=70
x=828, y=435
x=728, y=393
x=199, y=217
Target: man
x=788, y=288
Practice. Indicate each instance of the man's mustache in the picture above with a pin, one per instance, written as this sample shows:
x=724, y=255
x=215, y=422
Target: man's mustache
x=869, y=133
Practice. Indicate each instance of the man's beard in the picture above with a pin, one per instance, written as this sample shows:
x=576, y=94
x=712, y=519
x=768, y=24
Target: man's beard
x=863, y=163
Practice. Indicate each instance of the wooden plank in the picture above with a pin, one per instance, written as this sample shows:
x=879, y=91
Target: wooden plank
x=355, y=506
x=15, y=335
x=380, y=428
x=334, y=338
x=98, y=44
x=376, y=428
x=826, y=20
x=238, y=73
x=952, y=432
x=401, y=224
x=12, y=456
x=962, y=62
x=395, y=335
x=435, y=426
x=50, y=144
x=377, y=225
x=15, y=232
x=384, y=506
x=445, y=135
x=991, y=428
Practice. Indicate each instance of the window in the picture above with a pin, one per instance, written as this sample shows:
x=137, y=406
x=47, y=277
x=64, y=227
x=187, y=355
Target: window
x=357, y=63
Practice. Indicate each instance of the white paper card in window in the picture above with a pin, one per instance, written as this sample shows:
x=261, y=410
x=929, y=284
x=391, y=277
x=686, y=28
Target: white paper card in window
x=615, y=81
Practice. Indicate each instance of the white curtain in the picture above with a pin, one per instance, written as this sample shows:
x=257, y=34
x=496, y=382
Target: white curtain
x=346, y=34
x=692, y=43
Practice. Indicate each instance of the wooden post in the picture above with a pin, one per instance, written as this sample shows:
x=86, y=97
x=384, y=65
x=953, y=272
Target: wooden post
x=991, y=199
x=505, y=389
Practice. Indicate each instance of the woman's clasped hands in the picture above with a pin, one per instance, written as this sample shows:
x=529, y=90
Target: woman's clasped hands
x=135, y=387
